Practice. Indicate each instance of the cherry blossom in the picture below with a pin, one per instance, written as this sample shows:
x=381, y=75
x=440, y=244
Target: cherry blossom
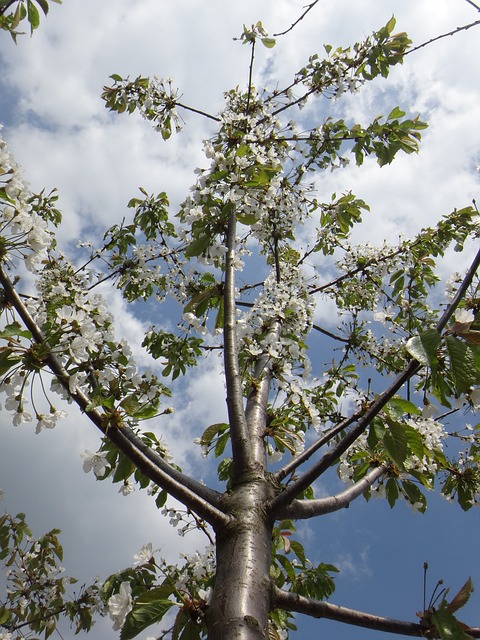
x=120, y=605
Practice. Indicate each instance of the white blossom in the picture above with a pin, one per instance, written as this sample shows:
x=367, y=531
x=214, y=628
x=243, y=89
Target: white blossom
x=120, y=605
x=96, y=462
x=126, y=489
x=144, y=555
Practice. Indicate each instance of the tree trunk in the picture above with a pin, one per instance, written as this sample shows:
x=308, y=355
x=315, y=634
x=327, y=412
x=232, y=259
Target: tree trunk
x=242, y=592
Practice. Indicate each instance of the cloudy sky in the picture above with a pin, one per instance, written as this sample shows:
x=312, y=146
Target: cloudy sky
x=59, y=131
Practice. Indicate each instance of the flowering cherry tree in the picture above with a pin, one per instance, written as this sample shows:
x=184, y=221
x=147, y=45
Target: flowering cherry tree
x=237, y=259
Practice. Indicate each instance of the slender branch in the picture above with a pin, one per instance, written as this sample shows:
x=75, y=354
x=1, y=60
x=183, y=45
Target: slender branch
x=303, y=509
x=292, y=26
x=240, y=436
x=198, y=111
x=330, y=334
x=304, y=481
x=445, y=35
x=289, y=601
x=193, y=494
x=473, y=4
x=250, y=77
x=318, y=444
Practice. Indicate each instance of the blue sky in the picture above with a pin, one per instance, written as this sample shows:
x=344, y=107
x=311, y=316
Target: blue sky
x=59, y=131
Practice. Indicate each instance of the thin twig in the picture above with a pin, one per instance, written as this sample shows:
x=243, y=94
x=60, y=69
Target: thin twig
x=292, y=26
x=198, y=111
x=473, y=4
x=330, y=334
x=444, y=35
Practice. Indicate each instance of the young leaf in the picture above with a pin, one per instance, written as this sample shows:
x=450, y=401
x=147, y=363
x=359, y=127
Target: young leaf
x=462, y=597
x=269, y=42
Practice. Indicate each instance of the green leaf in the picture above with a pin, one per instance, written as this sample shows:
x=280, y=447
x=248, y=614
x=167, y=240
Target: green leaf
x=149, y=608
x=211, y=432
x=414, y=495
x=139, y=410
x=185, y=628
x=424, y=348
x=33, y=15
x=44, y=5
x=161, y=499
x=298, y=550
x=395, y=441
x=287, y=566
x=5, y=615
x=391, y=491
x=414, y=441
x=124, y=469
x=397, y=407
x=448, y=627
x=395, y=114
x=6, y=361
x=14, y=329
x=197, y=246
x=415, y=348
x=462, y=362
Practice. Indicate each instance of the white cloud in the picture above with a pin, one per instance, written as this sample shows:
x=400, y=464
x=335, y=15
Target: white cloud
x=355, y=566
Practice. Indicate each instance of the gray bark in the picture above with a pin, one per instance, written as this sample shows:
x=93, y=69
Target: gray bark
x=242, y=594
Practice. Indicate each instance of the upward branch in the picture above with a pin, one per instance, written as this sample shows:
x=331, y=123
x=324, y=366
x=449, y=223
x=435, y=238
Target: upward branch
x=240, y=435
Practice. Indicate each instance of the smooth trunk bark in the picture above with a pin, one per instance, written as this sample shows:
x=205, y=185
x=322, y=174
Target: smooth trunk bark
x=242, y=592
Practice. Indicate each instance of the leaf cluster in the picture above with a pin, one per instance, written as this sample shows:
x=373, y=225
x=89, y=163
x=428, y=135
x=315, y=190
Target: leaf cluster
x=24, y=9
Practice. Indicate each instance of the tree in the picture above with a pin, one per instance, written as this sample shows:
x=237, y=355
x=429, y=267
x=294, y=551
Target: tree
x=238, y=267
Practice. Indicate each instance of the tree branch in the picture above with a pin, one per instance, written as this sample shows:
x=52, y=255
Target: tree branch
x=257, y=401
x=304, y=481
x=240, y=435
x=293, y=25
x=330, y=334
x=473, y=4
x=445, y=35
x=308, y=453
x=198, y=112
x=204, y=501
x=303, y=509
x=289, y=601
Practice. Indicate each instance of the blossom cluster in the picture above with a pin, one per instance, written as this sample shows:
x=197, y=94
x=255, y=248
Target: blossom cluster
x=155, y=98
x=191, y=583
x=24, y=233
x=36, y=587
x=288, y=303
